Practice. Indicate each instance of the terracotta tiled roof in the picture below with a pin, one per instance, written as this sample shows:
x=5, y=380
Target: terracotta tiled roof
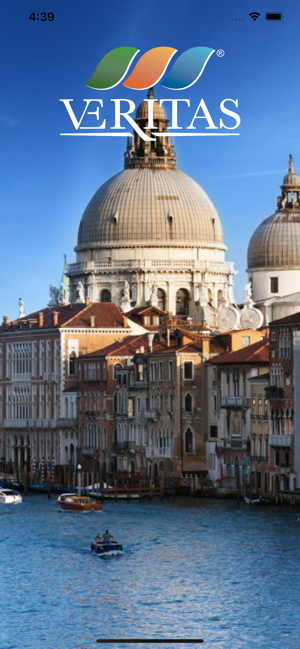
x=144, y=309
x=294, y=318
x=107, y=315
x=125, y=347
x=129, y=346
x=256, y=353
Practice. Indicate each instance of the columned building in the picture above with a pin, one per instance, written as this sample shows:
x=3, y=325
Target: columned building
x=151, y=235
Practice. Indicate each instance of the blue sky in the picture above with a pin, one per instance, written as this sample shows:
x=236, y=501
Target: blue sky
x=47, y=180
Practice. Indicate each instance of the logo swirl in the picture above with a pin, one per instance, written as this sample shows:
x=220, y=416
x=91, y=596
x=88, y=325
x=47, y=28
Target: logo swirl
x=150, y=68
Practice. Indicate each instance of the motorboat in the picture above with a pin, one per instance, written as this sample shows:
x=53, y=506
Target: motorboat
x=9, y=496
x=106, y=549
x=256, y=499
x=73, y=503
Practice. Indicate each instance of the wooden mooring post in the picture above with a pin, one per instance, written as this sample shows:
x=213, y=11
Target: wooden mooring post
x=49, y=483
x=25, y=480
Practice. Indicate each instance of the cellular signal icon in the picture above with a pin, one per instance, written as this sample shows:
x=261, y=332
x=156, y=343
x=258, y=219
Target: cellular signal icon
x=254, y=15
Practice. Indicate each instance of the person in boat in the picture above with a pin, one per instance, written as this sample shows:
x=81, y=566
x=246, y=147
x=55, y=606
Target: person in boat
x=98, y=538
x=106, y=537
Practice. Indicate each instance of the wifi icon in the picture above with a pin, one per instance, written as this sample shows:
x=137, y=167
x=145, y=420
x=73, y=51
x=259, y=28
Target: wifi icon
x=254, y=15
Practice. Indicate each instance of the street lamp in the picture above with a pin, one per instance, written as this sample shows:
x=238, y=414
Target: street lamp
x=79, y=479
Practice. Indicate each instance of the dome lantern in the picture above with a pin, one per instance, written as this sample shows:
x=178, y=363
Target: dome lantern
x=290, y=189
x=159, y=153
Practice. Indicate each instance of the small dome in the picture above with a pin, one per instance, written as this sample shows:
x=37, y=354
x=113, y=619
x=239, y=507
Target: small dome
x=158, y=111
x=276, y=241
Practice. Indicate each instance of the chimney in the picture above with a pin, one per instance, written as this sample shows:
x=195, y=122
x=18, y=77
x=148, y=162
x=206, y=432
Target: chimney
x=205, y=345
x=55, y=318
x=92, y=320
x=168, y=337
x=125, y=322
x=87, y=301
x=6, y=320
x=150, y=342
x=41, y=319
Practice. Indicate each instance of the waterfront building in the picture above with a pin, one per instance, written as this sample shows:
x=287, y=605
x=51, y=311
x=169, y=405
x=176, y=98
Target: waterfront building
x=282, y=394
x=38, y=378
x=103, y=404
x=229, y=413
x=259, y=435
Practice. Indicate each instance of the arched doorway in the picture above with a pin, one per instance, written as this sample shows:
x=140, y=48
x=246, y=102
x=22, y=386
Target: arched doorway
x=182, y=302
x=228, y=466
x=155, y=470
x=161, y=299
x=236, y=467
x=105, y=296
x=132, y=467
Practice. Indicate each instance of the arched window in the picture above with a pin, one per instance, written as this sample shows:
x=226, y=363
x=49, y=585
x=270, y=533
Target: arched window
x=106, y=295
x=116, y=366
x=188, y=441
x=182, y=302
x=161, y=299
x=188, y=403
x=72, y=364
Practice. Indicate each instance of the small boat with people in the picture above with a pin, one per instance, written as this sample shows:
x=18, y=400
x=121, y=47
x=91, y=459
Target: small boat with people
x=74, y=503
x=106, y=545
x=9, y=497
x=256, y=499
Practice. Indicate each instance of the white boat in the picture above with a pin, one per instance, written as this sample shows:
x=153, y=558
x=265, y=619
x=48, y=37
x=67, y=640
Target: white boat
x=8, y=496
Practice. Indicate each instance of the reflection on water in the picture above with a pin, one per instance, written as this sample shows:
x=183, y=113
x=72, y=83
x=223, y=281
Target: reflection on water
x=191, y=568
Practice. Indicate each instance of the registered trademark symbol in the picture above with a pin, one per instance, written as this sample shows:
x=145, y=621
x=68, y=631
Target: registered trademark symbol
x=220, y=53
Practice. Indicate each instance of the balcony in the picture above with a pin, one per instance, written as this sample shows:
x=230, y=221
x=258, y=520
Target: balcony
x=258, y=458
x=30, y=423
x=284, y=469
x=89, y=451
x=151, y=414
x=281, y=440
x=235, y=402
x=123, y=446
x=272, y=392
x=155, y=451
x=67, y=422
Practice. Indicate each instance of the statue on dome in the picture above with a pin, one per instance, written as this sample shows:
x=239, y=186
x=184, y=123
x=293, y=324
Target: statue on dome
x=203, y=293
x=80, y=292
x=126, y=290
x=153, y=292
x=225, y=293
x=54, y=293
x=248, y=291
x=21, y=308
x=62, y=298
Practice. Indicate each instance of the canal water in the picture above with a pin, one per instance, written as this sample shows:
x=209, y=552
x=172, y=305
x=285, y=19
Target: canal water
x=209, y=569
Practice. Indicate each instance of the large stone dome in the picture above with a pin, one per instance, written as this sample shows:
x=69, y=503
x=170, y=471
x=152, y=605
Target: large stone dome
x=150, y=235
x=276, y=241
x=150, y=206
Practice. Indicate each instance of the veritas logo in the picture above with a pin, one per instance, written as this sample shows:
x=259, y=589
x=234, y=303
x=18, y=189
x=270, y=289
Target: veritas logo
x=148, y=72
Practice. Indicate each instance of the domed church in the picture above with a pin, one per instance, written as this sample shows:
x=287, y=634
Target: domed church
x=151, y=235
x=274, y=254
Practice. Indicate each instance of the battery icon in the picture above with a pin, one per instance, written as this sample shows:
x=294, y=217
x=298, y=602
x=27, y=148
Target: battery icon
x=274, y=16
